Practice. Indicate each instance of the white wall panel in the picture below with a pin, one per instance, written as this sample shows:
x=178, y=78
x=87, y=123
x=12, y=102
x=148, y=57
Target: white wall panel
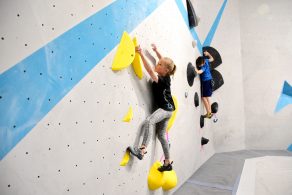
x=76, y=148
x=28, y=26
x=266, y=56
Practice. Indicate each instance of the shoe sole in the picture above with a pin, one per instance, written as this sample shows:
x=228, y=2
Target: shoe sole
x=133, y=153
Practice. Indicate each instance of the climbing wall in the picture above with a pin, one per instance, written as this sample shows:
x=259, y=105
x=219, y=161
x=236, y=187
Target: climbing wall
x=62, y=130
x=219, y=28
x=267, y=73
x=26, y=27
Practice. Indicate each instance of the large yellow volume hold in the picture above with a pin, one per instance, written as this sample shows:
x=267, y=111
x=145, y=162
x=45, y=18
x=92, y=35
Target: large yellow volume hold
x=173, y=115
x=155, y=177
x=137, y=62
x=125, y=159
x=125, y=53
x=128, y=117
x=170, y=180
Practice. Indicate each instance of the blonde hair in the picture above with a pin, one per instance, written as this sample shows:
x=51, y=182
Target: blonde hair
x=170, y=66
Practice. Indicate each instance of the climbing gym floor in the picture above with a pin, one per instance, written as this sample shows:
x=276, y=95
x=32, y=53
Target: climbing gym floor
x=245, y=172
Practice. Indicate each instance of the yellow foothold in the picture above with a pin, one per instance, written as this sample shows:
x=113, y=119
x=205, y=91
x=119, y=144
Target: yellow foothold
x=173, y=115
x=137, y=62
x=128, y=117
x=155, y=177
x=125, y=53
x=170, y=180
x=125, y=159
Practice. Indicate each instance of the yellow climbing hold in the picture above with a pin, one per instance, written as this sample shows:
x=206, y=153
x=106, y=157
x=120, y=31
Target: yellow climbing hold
x=125, y=159
x=170, y=180
x=173, y=116
x=155, y=177
x=128, y=117
x=137, y=62
x=125, y=53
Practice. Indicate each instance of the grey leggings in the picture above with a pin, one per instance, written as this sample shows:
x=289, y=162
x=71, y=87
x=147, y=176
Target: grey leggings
x=160, y=117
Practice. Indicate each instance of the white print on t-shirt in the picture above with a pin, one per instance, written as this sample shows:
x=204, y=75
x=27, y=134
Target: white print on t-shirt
x=168, y=103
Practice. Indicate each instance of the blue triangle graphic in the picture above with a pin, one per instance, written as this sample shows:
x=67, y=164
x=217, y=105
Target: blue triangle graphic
x=283, y=101
x=287, y=89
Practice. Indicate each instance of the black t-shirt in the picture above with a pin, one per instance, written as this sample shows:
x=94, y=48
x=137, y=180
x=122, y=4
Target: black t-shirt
x=162, y=93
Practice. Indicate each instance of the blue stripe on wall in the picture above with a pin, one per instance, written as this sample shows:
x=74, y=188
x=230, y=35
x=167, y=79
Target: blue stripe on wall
x=213, y=29
x=31, y=88
x=184, y=14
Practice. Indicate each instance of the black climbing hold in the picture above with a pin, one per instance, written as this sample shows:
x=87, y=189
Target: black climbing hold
x=196, y=99
x=191, y=74
x=217, y=80
x=214, y=107
x=193, y=20
x=202, y=121
x=204, y=141
x=206, y=57
x=215, y=54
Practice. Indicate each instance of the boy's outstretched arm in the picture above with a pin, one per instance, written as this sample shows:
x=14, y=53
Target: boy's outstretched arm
x=156, y=51
x=146, y=65
x=198, y=71
x=211, y=59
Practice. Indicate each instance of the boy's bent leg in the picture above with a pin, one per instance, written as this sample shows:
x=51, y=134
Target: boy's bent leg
x=209, y=105
x=205, y=102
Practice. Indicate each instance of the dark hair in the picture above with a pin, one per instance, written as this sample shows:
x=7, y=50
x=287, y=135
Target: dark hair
x=200, y=60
